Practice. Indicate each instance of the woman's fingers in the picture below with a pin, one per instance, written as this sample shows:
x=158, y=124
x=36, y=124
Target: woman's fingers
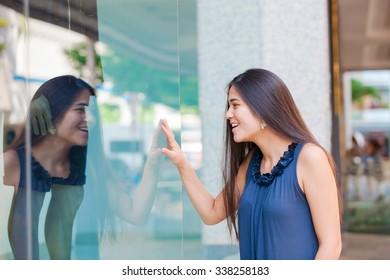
x=172, y=150
x=167, y=130
x=169, y=134
x=41, y=116
x=35, y=126
x=42, y=123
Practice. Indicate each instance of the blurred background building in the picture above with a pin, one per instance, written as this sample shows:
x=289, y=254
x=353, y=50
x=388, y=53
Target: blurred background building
x=172, y=59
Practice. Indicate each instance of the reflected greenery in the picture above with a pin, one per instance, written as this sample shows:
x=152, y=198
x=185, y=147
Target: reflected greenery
x=359, y=90
x=110, y=113
x=130, y=75
x=78, y=57
x=3, y=24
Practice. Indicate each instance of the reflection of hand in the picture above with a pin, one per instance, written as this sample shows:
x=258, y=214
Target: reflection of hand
x=157, y=144
x=172, y=149
x=41, y=116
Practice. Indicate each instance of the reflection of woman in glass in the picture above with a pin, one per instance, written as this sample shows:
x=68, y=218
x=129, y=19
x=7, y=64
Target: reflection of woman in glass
x=107, y=197
x=57, y=164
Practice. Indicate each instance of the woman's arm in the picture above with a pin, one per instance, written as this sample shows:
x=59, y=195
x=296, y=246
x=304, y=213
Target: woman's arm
x=319, y=185
x=210, y=209
x=135, y=208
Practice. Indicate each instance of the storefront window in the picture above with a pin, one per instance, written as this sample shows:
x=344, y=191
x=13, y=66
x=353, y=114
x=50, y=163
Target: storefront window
x=140, y=60
x=367, y=118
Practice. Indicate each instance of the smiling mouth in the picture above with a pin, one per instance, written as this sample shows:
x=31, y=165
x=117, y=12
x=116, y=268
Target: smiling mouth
x=85, y=129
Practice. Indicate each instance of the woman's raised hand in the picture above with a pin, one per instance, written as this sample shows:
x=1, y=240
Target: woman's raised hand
x=41, y=116
x=172, y=150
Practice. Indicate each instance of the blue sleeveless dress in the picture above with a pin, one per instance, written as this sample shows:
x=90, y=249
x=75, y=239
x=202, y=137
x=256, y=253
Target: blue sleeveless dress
x=42, y=181
x=274, y=220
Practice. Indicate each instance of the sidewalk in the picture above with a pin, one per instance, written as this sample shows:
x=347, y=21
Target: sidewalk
x=362, y=246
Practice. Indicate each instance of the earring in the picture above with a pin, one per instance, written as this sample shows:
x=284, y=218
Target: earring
x=262, y=125
x=52, y=131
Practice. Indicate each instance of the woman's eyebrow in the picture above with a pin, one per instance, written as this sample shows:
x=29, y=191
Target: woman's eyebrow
x=82, y=104
x=233, y=99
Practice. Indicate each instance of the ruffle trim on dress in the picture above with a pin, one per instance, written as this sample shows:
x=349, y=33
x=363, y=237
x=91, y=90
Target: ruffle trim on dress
x=266, y=179
x=45, y=181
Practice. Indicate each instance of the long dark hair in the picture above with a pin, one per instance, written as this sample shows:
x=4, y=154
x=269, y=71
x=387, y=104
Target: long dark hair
x=60, y=93
x=270, y=100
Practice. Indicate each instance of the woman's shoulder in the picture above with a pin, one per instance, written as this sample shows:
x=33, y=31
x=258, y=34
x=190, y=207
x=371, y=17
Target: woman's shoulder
x=312, y=153
x=313, y=159
x=11, y=168
x=313, y=166
x=10, y=158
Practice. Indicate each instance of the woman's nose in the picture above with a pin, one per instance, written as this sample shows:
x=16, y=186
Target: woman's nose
x=228, y=114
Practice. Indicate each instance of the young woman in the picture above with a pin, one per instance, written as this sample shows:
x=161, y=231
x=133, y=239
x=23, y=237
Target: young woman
x=57, y=162
x=280, y=194
x=54, y=162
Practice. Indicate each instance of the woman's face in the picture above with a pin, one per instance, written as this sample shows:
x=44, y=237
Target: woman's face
x=73, y=128
x=245, y=125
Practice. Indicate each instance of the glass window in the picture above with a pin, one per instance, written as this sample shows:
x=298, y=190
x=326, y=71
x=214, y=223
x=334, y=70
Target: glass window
x=84, y=85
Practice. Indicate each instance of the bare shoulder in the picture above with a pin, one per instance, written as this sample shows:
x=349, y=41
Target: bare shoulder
x=11, y=158
x=313, y=166
x=312, y=154
x=11, y=168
